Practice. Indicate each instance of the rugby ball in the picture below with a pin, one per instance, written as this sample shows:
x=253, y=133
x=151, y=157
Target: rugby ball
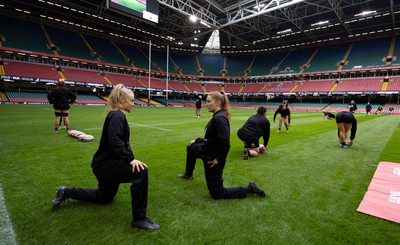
x=261, y=148
x=75, y=133
x=86, y=138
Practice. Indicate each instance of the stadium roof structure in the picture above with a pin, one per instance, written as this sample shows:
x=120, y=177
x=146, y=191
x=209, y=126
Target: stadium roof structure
x=245, y=26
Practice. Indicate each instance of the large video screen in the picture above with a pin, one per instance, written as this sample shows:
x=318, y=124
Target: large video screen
x=146, y=9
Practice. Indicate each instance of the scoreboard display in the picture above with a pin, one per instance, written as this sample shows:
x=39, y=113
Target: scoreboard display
x=146, y=9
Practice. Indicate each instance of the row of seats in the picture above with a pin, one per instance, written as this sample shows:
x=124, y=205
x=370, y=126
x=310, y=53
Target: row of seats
x=32, y=70
x=41, y=97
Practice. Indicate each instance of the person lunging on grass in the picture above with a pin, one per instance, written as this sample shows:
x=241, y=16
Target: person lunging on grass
x=213, y=150
x=114, y=163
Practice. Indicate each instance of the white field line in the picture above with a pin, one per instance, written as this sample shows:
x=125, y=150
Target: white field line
x=143, y=125
x=152, y=126
x=7, y=235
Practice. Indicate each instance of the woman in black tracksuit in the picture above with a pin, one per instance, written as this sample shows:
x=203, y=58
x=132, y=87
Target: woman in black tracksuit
x=61, y=98
x=213, y=150
x=346, y=120
x=284, y=113
x=114, y=163
x=255, y=127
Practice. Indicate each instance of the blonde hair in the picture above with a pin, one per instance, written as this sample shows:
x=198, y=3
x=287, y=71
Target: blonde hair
x=116, y=97
x=223, y=98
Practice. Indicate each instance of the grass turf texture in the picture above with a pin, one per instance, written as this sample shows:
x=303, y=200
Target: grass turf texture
x=313, y=186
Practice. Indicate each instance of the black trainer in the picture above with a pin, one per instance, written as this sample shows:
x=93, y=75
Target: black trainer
x=59, y=198
x=146, y=224
x=256, y=189
x=184, y=176
x=246, y=154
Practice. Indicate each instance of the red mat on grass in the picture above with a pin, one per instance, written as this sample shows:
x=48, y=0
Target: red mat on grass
x=382, y=199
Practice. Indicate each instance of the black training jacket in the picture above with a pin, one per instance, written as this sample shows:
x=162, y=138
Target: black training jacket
x=114, y=142
x=216, y=141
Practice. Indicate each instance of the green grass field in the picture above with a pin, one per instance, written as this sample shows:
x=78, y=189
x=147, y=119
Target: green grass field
x=313, y=186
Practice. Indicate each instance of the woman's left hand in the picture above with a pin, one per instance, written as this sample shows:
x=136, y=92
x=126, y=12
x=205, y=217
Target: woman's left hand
x=213, y=162
x=137, y=165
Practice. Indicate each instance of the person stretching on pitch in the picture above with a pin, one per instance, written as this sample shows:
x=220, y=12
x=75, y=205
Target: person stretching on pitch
x=284, y=117
x=114, y=163
x=250, y=133
x=346, y=120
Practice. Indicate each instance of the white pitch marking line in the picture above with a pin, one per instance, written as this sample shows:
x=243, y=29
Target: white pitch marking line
x=149, y=126
x=143, y=125
x=7, y=235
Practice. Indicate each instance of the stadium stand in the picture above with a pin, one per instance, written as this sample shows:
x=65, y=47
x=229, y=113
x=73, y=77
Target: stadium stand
x=232, y=87
x=185, y=64
x=41, y=97
x=89, y=99
x=27, y=97
x=20, y=31
x=83, y=75
x=155, y=83
x=75, y=47
x=252, y=87
x=295, y=60
x=209, y=87
x=126, y=64
x=134, y=55
x=362, y=55
x=307, y=106
x=159, y=60
x=127, y=80
x=336, y=107
x=105, y=50
x=395, y=107
x=237, y=65
x=278, y=87
x=211, y=64
x=314, y=86
x=177, y=86
x=265, y=64
x=394, y=84
x=327, y=58
x=194, y=86
x=31, y=70
x=359, y=85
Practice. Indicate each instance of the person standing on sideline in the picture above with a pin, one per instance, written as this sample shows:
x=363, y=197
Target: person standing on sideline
x=284, y=117
x=250, y=133
x=213, y=150
x=352, y=106
x=61, y=98
x=114, y=163
x=346, y=120
x=198, y=106
x=368, y=109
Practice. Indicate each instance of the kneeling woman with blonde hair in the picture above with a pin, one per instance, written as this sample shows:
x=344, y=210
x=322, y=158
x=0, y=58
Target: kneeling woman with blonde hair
x=114, y=163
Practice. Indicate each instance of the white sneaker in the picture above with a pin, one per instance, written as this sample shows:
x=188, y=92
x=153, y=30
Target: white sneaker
x=287, y=131
x=278, y=131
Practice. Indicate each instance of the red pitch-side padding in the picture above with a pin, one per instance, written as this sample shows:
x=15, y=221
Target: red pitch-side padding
x=382, y=199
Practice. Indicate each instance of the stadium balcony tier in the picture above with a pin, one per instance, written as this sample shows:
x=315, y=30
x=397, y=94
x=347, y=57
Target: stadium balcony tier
x=360, y=85
x=41, y=98
x=278, y=87
x=32, y=70
x=314, y=86
x=82, y=75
